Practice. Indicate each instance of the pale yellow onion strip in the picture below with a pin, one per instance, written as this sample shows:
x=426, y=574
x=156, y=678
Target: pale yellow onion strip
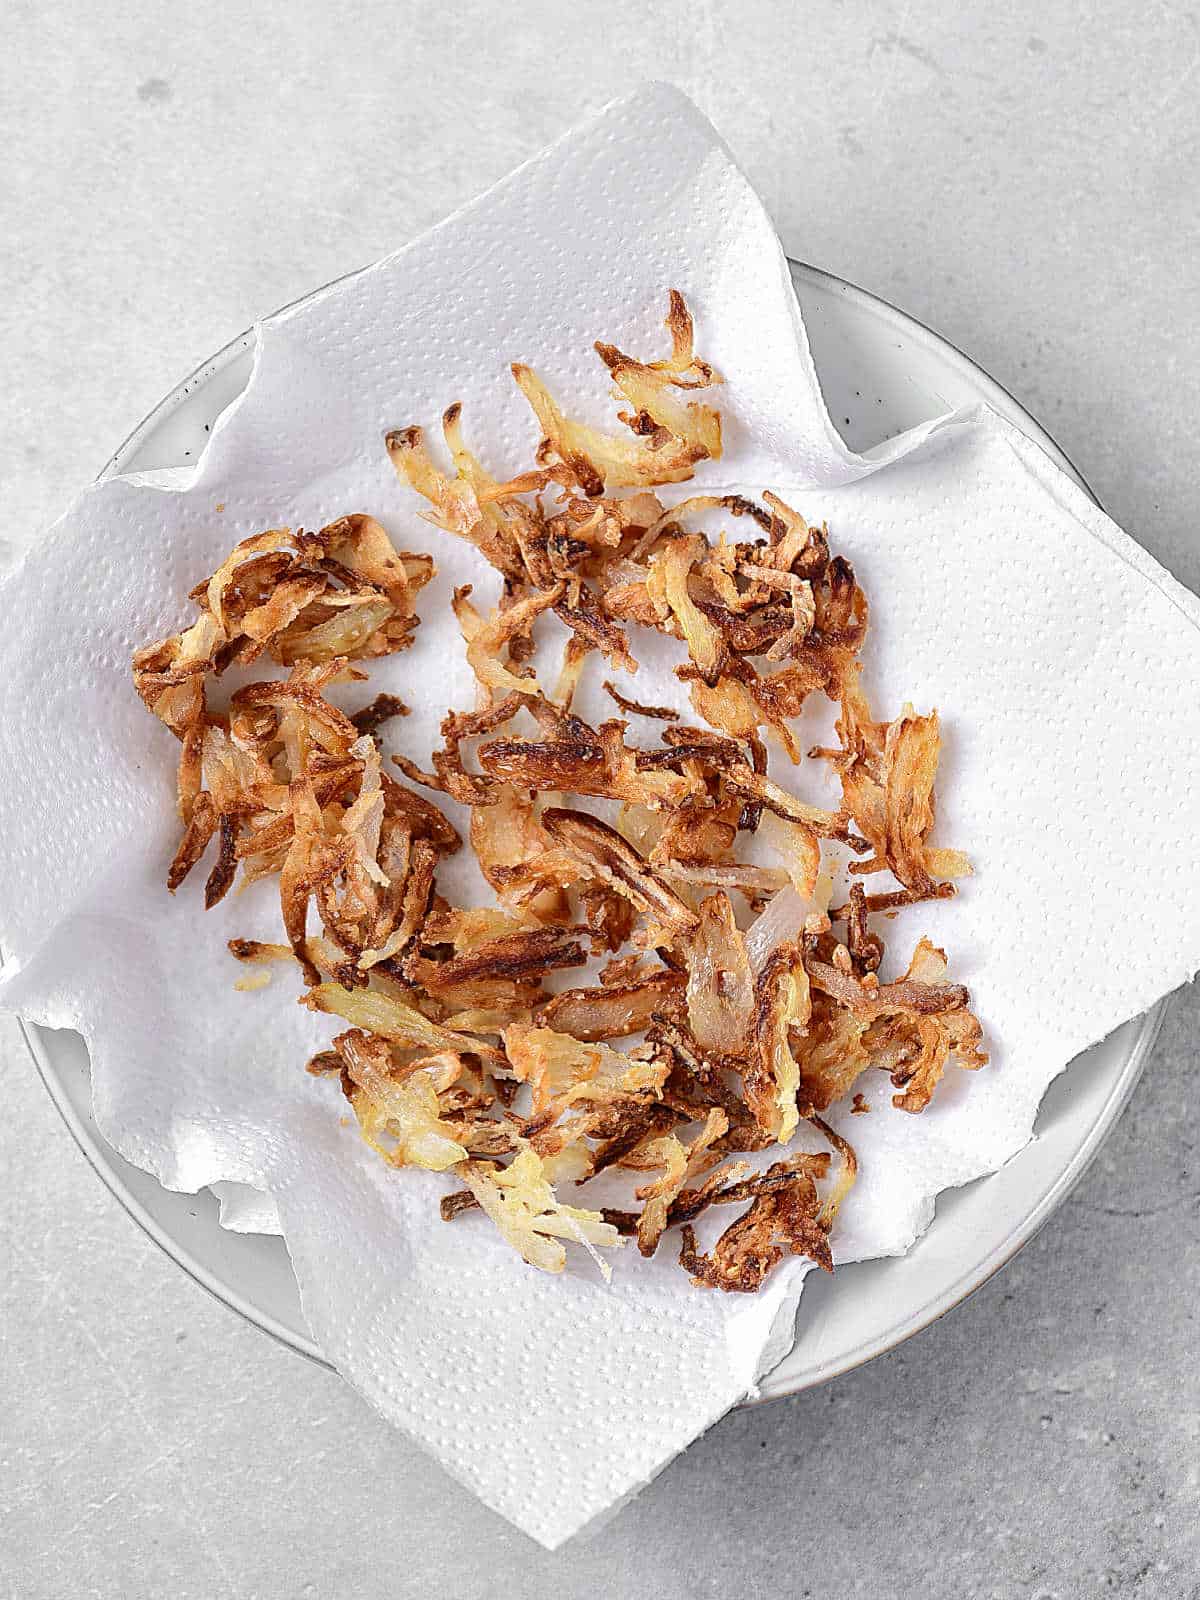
x=780, y=920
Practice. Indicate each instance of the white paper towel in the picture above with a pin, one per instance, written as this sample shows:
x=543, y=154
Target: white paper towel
x=1063, y=660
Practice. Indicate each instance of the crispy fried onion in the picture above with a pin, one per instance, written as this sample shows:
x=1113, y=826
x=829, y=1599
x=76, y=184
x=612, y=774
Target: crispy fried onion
x=521, y=1201
x=910, y=1029
x=670, y=436
x=781, y=1220
x=299, y=597
x=781, y=1002
x=887, y=771
x=602, y=852
x=588, y=761
x=292, y=787
x=614, y=1010
x=706, y=1044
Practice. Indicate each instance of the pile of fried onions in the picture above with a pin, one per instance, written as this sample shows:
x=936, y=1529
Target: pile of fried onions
x=747, y=1003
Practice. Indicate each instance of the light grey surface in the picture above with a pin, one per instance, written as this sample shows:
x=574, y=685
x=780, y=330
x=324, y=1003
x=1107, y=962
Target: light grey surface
x=1024, y=180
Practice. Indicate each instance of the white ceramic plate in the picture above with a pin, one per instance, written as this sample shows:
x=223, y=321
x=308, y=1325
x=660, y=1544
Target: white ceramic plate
x=881, y=373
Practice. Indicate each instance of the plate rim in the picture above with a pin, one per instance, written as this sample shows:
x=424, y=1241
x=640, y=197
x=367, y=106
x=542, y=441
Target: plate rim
x=89, y=1141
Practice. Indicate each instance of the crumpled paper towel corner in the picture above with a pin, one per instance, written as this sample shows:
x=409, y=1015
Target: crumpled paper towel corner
x=1063, y=660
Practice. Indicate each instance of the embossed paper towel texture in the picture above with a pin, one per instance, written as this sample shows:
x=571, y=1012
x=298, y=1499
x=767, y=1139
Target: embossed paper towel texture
x=1063, y=661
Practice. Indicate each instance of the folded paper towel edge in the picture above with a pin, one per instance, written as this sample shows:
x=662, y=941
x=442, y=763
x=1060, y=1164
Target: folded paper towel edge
x=163, y=480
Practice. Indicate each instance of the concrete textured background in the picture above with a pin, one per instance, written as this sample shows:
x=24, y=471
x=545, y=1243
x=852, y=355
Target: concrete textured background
x=1021, y=177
